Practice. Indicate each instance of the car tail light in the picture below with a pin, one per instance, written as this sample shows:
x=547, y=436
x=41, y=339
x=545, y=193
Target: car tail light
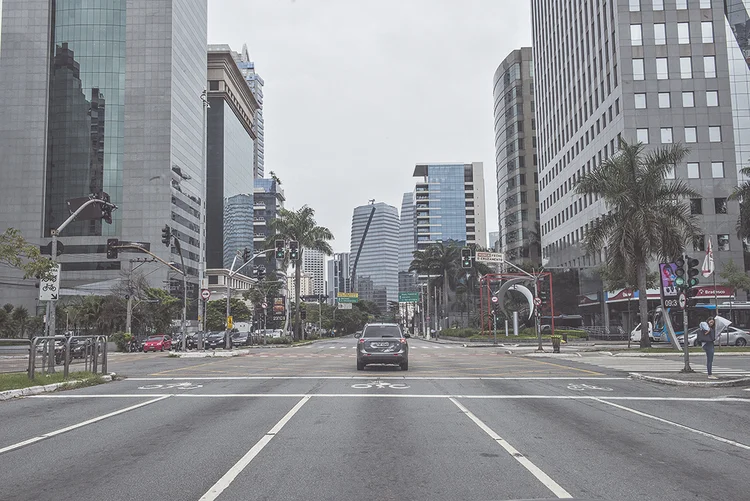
x=403, y=340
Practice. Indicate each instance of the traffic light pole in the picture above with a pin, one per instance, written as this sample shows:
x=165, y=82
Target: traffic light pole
x=233, y=272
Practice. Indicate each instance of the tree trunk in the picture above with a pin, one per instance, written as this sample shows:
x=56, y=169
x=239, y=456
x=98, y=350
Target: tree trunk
x=643, y=306
x=297, y=321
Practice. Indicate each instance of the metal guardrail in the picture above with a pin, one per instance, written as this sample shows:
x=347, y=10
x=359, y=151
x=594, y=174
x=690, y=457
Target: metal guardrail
x=606, y=334
x=90, y=350
x=14, y=354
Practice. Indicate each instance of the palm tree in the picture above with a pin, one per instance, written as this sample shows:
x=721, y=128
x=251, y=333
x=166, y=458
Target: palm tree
x=742, y=194
x=300, y=225
x=646, y=215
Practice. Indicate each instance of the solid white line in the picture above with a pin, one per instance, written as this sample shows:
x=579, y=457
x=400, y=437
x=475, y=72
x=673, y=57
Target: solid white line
x=375, y=376
x=235, y=470
x=545, y=479
x=81, y=424
x=677, y=425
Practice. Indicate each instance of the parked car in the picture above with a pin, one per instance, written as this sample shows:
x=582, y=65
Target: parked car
x=731, y=336
x=635, y=334
x=382, y=344
x=160, y=343
x=241, y=339
x=215, y=340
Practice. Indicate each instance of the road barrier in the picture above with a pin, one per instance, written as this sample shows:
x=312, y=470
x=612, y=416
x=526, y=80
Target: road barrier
x=14, y=354
x=89, y=350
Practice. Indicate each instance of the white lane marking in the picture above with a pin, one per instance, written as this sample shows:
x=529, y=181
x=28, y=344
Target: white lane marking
x=584, y=386
x=414, y=378
x=545, y=479
x=677, y=425
x=79, y=425
x=179, y=386
x=235, y=470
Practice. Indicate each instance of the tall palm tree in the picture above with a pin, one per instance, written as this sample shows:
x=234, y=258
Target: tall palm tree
x=300, y=225
x=646, y=217
x=742, y=194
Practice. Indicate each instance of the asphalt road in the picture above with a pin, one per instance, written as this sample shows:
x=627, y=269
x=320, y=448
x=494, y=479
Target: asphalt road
x=303, y=423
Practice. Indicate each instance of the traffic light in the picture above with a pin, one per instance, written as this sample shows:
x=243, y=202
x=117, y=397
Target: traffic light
x=679, y=273
x=106, y=209
x=111, y=248
x=466, y=257
x=280, y=249
x=261, y=273
x=246, y=255
x=692, y=272
x=543, y=295
x=293, y=250
x=166, y=235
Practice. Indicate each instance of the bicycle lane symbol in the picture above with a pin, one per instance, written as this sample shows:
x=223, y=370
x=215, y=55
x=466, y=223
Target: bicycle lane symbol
x=168, y=386
x=380, y=385
x=584, y=387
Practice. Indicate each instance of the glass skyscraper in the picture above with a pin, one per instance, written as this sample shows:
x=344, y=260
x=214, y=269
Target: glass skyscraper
x=256, y=83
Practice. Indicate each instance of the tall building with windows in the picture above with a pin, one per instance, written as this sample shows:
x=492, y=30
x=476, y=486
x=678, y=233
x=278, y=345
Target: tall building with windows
x=338, y=276
x=377, y=266
x=516, y=157
x=95, y=99
x=450, y=204
x=313, y=265
x=229, y=152
x=407, y=235
x=256, y=83
x=654, y=71
x=268, y=200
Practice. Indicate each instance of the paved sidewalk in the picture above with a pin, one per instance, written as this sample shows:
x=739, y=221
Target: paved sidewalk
x=695, y=379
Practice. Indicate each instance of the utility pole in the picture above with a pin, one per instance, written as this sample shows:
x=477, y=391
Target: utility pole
x=202, y=237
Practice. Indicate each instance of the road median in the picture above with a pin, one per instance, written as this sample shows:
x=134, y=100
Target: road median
x=19, y=385
x=694, y=379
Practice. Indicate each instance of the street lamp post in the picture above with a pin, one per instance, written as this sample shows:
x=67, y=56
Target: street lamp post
x=202, y=237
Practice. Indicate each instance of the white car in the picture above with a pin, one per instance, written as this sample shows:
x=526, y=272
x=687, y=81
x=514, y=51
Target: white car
x=731, y=336
x=635, y=334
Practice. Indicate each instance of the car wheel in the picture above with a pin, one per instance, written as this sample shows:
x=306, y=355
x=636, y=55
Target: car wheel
x=360, y=366
x=741, y=342
x=405, y=366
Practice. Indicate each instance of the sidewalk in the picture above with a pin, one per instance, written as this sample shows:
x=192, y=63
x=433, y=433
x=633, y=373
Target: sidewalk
x=694, y=379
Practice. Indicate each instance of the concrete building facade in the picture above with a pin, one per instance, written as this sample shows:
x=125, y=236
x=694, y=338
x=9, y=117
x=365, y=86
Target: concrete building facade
x=313, y=264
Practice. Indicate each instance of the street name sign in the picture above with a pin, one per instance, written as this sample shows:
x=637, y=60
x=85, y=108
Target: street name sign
x=490, y=257
x=408, y=297
x=347, y=297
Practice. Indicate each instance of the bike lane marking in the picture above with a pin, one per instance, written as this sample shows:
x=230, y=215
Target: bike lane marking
x=79, y=425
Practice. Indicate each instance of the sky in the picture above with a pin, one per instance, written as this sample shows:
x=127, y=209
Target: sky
x=357, y=92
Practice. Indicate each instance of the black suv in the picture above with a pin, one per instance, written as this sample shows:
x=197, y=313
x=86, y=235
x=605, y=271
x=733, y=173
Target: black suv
x=383, y=344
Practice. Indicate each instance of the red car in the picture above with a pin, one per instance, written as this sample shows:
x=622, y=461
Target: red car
x=160, y=343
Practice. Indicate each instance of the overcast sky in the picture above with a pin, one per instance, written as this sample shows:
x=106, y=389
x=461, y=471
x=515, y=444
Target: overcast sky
x=357, y=92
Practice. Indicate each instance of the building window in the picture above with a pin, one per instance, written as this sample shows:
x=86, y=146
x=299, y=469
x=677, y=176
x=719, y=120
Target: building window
x=688, y=99
x=636, y=35
x=662, y=70
x=717, y=169
x=696, y=206
x=693, y=170
x=666, y=135
x=705, y=4
x=722, y=240
x=707, y=31
x=686, y=68
x=213, y=85
x=660, y=33
x=681, y=4
x=638, y=71
x=683, y=33
x=642, y=135
x=712, y=98
x=720, y=205
x=699, y=243
x=709, y=66
x=658, y=4
x=691, y=135
x=664, y=101
x=635, y=5
x=714, y=134
x=640, y=101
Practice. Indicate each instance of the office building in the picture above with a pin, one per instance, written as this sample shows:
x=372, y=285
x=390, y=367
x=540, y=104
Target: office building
x=95, y=99
x=256, y=83
x=450, y=204
x=494, y=242
x=305, y=285
x=268, y=201
x=338, y=275
x=516, y=157
x=407, y=235
x=651, y=71
x=377, y=263
x=313, y=264
x=230, y=145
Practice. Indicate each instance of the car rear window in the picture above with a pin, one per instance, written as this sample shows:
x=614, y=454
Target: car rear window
x=382, y=331
x=155, y=338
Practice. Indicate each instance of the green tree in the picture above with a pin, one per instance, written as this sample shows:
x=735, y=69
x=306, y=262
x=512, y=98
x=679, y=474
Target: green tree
x=734, y=276
x=216, y=312
x=300, y=225
x=16, y=252
x=742, y=195
x=646, y=215
x=20, y=317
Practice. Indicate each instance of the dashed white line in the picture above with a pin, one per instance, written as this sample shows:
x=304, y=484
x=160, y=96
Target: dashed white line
x=676, y=425
x=79, y=425
x=235, y=470
x=545, y=479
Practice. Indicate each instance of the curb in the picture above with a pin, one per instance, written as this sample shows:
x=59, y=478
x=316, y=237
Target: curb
x=679, y=353
x=699, y=384
x=36, y=390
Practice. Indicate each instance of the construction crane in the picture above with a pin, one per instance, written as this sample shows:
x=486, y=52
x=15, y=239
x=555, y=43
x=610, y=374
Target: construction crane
x=361, y=244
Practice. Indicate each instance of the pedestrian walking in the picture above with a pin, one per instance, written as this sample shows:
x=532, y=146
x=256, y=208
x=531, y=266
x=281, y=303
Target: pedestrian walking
x=706, y=338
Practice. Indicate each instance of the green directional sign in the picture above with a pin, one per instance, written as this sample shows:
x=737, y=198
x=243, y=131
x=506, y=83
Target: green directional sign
x=408, y=297
x=347, y=297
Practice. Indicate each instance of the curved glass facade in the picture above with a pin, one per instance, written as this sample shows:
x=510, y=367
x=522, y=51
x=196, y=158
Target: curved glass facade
x=85, y=141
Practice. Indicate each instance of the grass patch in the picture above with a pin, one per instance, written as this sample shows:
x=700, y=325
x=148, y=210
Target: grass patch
x=18, y=380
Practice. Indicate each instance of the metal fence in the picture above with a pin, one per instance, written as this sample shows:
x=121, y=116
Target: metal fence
x=86, y=353
x=616, y=333
x=14, y=354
